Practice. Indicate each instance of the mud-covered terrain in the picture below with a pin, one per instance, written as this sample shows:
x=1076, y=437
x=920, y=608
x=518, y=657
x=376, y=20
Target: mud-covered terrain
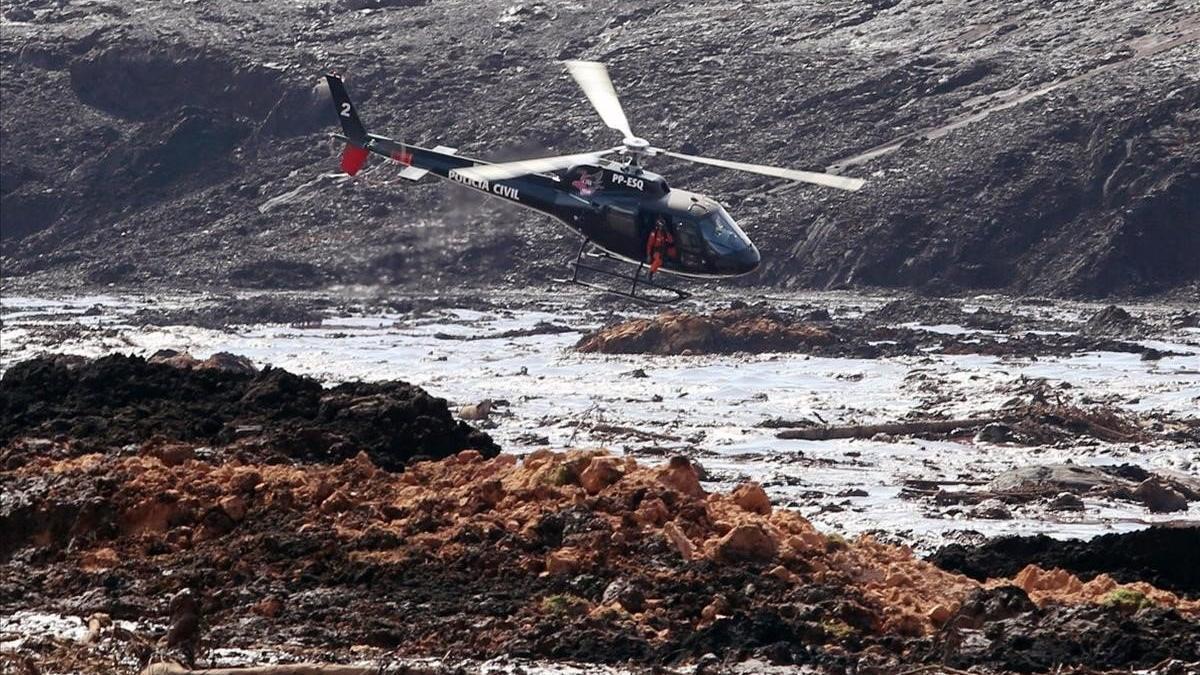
x=241, y=479
x=173, y=398
x=576, y=555
x=924, y=422
x=1017, y=146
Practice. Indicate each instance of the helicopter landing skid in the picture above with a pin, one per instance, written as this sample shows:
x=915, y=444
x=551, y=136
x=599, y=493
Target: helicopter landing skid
x=668, y=295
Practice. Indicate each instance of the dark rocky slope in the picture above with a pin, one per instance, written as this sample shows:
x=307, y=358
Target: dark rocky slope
x=119, y=401
x=147, y=143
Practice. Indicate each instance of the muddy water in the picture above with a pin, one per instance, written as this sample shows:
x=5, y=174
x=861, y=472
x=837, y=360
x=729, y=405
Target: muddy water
x=708, y=407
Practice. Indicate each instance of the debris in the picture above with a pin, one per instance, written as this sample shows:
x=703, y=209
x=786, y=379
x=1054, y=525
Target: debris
x=1158, y=497
x=476, y=411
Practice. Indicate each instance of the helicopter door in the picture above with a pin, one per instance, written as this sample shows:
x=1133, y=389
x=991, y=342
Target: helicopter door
x=691, y=245
x=622, y=235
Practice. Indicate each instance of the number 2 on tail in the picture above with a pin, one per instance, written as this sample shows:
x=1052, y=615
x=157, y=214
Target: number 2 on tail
x=345, y=109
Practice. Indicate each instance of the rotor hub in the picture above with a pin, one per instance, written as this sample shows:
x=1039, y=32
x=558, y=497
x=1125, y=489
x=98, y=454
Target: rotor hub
x=636, y=145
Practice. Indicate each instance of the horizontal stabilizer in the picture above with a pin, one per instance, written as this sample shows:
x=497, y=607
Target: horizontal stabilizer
x=413, y=173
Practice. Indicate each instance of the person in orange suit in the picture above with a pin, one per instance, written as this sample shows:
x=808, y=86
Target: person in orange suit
x=660, y=245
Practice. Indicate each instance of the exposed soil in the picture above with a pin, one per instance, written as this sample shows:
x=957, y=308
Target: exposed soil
x=1163, y=556
x=105, y=404
x=1001, y=152
x=563, y=555
x=575, y=555
x=760, y=328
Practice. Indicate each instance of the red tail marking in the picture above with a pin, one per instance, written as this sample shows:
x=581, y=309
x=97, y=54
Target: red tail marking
x=403, y=156
x=353, y=158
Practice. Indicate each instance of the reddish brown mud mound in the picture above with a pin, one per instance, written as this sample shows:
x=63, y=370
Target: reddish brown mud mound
x=119, y=400
x=574, y=555
x=1163, y=556
x=761, y=329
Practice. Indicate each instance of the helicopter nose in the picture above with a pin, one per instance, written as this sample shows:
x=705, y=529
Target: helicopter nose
x=743, y=261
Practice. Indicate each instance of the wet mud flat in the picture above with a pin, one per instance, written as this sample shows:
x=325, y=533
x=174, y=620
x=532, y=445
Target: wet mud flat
x=924, y=421
x=575, y=555
x=736, y=530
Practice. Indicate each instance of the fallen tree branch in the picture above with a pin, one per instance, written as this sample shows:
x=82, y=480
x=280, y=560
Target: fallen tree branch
x=895, y=428
x=279, y=669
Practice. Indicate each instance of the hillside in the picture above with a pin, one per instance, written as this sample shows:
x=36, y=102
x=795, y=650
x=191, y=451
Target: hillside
x=1026, y=147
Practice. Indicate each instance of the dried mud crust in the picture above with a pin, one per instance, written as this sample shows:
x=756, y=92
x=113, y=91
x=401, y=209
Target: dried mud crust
x=104, y=404
x=1163, y=556
x=759, y=329
x=563, y=555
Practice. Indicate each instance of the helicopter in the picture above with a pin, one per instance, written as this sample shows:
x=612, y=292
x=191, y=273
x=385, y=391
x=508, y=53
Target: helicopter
x=622, y=211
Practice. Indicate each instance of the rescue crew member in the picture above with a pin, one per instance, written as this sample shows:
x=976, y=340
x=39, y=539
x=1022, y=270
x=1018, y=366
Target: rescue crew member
x=660, y=244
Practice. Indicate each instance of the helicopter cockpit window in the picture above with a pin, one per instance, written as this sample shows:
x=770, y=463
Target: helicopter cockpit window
x=722, y=233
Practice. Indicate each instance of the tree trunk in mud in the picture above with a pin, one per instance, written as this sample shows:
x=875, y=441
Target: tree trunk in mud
x=282, y=669
x=895, y=428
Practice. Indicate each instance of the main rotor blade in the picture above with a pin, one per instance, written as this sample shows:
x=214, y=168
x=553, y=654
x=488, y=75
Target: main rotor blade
x=826, y=179
x=524, y=167
x=593, y=79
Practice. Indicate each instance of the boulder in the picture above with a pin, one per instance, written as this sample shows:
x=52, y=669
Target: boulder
x=751, y=543
x=1159, y=498
x=600, y=473
x=682, y=475
x=751, y=497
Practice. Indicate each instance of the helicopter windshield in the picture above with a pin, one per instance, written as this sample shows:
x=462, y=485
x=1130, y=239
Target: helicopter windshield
x=722, y=233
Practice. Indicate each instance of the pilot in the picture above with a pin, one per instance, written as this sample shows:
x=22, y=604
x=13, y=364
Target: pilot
x=660, y=244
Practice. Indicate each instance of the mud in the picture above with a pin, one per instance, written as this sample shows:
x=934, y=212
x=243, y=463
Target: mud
x=1163, y=556
x=1000, y=628
x=576, y=555
x=232, y=311
x=111, y=402
x=761, y=328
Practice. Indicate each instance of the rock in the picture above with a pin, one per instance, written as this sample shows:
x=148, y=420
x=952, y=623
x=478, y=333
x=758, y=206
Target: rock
x=991, y=509
x=171, y=454
x=174, y=359
x=100, y=559
x=996, y=432
x=270, y=607
x=476, y=412
x=749, y=542
x=679, y=540
x=335, y=503
x=600, y=473
x=1055, y=478
x=230, y=363
x=244, y=480
x=719, y=606
x=1113, y=320
x=623, y=592
x=1158, y=497
x=751, y=497
x=19, y=14
x=234, y=506
x=784, y=574
x=1065, y=501
x=184, y=630
x=564, y=561
x=652, y=511
x=681, y=475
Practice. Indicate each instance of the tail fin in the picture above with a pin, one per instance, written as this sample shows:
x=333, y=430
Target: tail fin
x=355, y=155
x=347, y=115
